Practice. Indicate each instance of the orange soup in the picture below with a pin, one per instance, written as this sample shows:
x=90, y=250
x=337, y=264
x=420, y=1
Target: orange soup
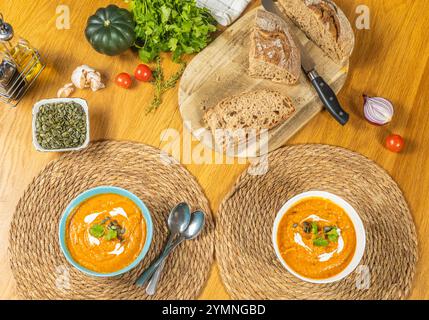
x=106, y=233
x=316, y=238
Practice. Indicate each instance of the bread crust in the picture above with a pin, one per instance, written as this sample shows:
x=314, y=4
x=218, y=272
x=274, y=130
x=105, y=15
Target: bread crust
x=300, y=10
x=273, y=53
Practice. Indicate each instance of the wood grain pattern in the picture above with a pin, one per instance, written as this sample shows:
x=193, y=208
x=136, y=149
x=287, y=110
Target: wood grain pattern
x=221, y=71
x=390, y=60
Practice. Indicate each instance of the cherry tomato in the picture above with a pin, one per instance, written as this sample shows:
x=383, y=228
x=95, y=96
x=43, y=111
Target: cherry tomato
x=395, y=143
x=123, y=80
x=143, y=73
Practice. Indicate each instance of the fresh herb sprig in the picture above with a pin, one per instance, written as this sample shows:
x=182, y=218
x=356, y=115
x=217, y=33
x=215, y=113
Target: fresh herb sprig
x=178, y=26
x=333, y=234
x=162, y=85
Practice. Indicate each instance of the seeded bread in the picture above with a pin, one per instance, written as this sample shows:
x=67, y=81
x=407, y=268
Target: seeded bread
x=324, y=23
x=273, y=54
x=246, y=113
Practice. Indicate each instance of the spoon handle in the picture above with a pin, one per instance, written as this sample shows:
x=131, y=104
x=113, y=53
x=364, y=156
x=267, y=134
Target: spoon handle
x=147, y=274
x=153, y=283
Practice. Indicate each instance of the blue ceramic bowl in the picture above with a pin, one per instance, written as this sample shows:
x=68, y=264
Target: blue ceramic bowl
x=89, y=194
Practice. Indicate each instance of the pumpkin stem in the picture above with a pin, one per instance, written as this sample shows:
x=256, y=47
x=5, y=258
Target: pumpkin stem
x=107, y=23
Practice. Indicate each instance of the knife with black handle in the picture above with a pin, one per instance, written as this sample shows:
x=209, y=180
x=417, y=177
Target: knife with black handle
x=325, y=92
x=328, y=97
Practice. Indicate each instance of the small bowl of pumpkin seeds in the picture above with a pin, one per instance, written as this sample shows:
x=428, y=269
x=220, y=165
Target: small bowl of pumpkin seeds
x=60, y=125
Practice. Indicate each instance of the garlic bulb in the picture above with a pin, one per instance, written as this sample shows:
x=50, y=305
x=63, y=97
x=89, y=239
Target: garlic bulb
x=79, y=76
x=86, y=77
x=378, y=110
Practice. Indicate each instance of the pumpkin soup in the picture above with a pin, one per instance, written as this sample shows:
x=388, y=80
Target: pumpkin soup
x=106, y=233
x=316, y=238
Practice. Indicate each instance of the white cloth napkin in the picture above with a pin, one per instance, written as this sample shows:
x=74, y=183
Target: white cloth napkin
x=224, y=11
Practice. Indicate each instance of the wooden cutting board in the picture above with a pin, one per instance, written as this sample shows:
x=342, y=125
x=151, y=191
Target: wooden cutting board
x=221, y=70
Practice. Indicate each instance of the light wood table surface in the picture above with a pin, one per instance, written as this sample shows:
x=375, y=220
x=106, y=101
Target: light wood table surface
x=390, y=60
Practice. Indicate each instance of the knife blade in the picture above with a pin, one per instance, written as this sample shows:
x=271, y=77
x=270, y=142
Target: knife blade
x=324, y=91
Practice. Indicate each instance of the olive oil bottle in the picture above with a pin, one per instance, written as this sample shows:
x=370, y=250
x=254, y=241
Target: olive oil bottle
x=20, y=64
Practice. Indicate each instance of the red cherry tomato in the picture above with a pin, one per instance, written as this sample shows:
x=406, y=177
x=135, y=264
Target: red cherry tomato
x=143, y=73
x=395, y=143
x=123, y=80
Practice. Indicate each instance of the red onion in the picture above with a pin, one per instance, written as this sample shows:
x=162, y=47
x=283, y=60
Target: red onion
x=377, y=110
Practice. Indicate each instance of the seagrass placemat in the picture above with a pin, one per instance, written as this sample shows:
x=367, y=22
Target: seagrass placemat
x=244, y=250
x=38, y=265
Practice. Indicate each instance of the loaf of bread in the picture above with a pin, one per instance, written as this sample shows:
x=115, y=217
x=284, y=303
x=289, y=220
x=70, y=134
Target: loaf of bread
x=273, y=54
x=249, y=112
x=324, y=23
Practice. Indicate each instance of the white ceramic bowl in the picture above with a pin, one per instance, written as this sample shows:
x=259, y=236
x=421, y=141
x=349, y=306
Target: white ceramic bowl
x=357, y=223
x=40, y=103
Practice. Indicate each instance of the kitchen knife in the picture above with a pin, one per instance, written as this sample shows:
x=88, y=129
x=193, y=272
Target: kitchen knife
x=326, y=94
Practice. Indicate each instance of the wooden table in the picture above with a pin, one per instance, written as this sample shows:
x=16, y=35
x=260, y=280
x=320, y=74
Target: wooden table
x=390, y=60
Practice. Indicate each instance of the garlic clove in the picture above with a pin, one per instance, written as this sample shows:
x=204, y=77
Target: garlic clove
x=65, y=91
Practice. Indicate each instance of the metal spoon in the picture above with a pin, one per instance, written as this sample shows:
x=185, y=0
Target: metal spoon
x=193, y=230
x=177, y=222
x=187, y=234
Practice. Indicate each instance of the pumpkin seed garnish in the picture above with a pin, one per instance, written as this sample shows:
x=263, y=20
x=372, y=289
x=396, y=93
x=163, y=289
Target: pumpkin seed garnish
x=327, y=229
x=306, y=226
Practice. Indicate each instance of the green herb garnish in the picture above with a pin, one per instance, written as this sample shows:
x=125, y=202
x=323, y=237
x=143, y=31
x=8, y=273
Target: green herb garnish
x=179, y=26
x=314, y=228
x=111, y=234
x=333, y=234
x=96, y=230
x=320, y=242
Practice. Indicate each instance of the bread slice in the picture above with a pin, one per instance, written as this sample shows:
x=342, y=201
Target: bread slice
x=273, y=54
x=233, y=119
x=324, y=23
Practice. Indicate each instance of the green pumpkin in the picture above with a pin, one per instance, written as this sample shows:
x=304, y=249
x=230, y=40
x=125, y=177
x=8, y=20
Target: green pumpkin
x=110, y=30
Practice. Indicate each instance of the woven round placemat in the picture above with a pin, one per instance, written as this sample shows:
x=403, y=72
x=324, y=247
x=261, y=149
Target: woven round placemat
x=38, y=265
x=244, y=250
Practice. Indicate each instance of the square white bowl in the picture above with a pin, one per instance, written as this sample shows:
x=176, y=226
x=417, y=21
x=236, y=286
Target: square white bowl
x=36, y=109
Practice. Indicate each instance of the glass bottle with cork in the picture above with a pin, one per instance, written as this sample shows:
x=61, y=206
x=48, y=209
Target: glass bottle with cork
x=20, y=64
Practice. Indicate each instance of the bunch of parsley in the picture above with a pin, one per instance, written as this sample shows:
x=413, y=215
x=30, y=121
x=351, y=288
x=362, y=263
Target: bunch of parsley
x=178, y=26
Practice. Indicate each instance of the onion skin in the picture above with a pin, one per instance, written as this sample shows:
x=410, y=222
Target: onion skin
x=377, y=110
